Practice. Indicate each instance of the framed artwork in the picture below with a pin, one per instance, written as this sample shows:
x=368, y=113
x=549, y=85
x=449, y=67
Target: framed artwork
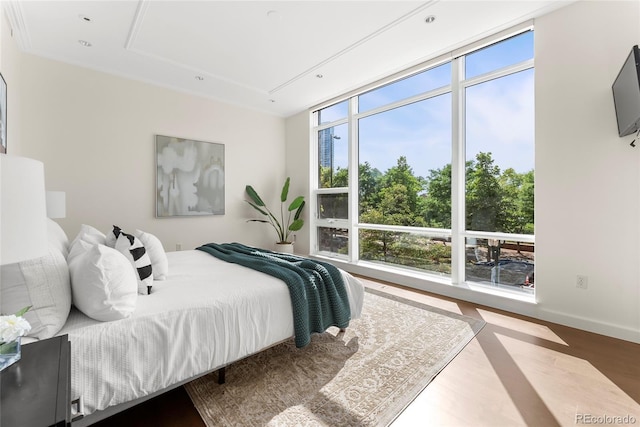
x=3, y=115
x=189, y=177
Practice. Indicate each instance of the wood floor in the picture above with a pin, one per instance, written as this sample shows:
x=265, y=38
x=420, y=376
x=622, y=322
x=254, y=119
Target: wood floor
x=518, y=371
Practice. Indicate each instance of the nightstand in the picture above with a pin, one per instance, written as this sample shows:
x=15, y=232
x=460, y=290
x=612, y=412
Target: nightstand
x=34, y=392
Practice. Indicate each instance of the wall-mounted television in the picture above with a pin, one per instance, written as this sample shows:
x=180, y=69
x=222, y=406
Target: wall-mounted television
x=626, y=94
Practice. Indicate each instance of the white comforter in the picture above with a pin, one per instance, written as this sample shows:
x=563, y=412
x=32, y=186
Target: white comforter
x=207, y=314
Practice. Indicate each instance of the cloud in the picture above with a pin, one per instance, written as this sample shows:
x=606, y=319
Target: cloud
x=500, y=120
x=420, y=131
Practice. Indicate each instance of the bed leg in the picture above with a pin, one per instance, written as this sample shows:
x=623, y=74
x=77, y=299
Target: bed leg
x=221, y=373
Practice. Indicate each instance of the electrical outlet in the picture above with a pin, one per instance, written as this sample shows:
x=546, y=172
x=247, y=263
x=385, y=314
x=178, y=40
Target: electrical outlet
x=178, y=246
x=582, y=282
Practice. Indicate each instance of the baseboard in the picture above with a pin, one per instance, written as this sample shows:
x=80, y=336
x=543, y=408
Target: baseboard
x=585, y=324
x=511, y=303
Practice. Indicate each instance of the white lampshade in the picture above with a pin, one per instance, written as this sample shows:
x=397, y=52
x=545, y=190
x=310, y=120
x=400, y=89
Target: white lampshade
x=56, y=204
x=23, y=215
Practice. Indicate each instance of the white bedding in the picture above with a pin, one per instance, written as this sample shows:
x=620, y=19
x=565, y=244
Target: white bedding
x=207, y=314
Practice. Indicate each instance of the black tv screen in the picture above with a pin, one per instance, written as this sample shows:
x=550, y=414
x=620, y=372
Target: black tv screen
x=626, y=94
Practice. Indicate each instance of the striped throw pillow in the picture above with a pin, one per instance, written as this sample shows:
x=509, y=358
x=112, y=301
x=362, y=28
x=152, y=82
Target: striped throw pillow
x=111, y=236
x=131, y=247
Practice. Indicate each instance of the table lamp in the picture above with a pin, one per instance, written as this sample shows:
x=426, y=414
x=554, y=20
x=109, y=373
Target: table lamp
x=23, y=226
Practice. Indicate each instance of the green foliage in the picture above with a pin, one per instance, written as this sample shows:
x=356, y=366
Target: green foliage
x=396, y=200
x=289, y=221
x=403, y=249
x=484, y=195
x=369, y=183
x=495, y=201
x=525, y=199
x=21, y=312
x=333, y=179
x=402, y=174
x=437, y=205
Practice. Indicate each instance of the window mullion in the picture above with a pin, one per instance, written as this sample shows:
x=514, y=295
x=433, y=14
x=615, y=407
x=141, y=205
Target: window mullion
x=502, y=72
x=353, y=179
x=312, y=208
x=457, y=172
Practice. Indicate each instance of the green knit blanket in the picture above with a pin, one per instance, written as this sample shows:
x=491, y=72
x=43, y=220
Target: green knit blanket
x=317, y=290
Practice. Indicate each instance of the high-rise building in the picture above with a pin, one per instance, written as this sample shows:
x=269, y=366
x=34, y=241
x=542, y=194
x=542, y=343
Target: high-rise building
x=325, y=147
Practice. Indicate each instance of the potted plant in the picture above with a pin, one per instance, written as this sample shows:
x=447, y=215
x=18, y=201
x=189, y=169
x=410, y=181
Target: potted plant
x=289, y=221
x=12, y=328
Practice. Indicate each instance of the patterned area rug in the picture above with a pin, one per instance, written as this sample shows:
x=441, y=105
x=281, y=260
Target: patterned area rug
x=362, y=377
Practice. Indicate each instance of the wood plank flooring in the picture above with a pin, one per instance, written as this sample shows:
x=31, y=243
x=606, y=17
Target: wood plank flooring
x=518, y=371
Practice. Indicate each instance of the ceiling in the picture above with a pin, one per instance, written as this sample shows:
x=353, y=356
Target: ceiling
x=279, y=57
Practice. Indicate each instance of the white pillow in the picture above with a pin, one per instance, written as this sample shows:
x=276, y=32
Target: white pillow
x=133, y=249
x=89, y=234
x=57, y=237
x=155, y=250
x=42, y=283
x=103, y=284
x=77, y=248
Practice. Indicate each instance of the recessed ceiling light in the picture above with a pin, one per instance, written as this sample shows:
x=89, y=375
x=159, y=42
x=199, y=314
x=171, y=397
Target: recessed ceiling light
x=85, y=18
x=429, y=19
x=199, y=78
x=84, y=43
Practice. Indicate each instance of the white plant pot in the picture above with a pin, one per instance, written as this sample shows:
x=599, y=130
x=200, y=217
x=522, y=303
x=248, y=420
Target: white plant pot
x=286, y=248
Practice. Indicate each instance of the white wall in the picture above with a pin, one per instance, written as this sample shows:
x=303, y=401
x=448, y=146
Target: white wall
x=95, y=134
x=298, y=152
x=587, y=178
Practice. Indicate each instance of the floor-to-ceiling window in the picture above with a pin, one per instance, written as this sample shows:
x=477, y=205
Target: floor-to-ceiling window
x=433, y=173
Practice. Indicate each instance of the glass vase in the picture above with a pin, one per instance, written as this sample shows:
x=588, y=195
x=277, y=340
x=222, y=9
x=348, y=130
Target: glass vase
x=9, y=354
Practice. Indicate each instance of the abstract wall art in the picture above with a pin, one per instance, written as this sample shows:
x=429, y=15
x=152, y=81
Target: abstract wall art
x=189, y=177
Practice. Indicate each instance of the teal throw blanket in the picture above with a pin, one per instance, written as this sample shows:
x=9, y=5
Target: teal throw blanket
x=317, y=290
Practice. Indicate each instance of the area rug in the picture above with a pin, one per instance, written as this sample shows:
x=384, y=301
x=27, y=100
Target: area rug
x=364, y=376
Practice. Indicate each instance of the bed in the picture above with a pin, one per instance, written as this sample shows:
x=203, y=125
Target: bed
x=205, y=315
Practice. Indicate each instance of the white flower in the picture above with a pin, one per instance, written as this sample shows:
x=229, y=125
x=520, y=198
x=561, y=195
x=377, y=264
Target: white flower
x=12, y=327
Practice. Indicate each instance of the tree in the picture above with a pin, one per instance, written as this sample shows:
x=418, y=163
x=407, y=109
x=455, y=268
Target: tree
x=391, y=198
x=341, y=178
x=395, y=202
x=484, y=195
x=510, y=184
x=517, y=201
x=330, y=178
x=369, y=186
x=325, y=176
x=526, y=202
x=437, y=210
x=402, y=174
x=495, y=201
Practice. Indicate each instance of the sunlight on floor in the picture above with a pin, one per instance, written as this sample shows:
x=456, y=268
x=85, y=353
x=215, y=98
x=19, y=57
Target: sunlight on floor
x=451, y=306
x=520, y=372
x=569, y=386
x=445, y=402
x=523, y=326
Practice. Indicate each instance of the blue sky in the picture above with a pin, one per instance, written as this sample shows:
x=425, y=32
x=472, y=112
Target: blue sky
x=500, y=116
